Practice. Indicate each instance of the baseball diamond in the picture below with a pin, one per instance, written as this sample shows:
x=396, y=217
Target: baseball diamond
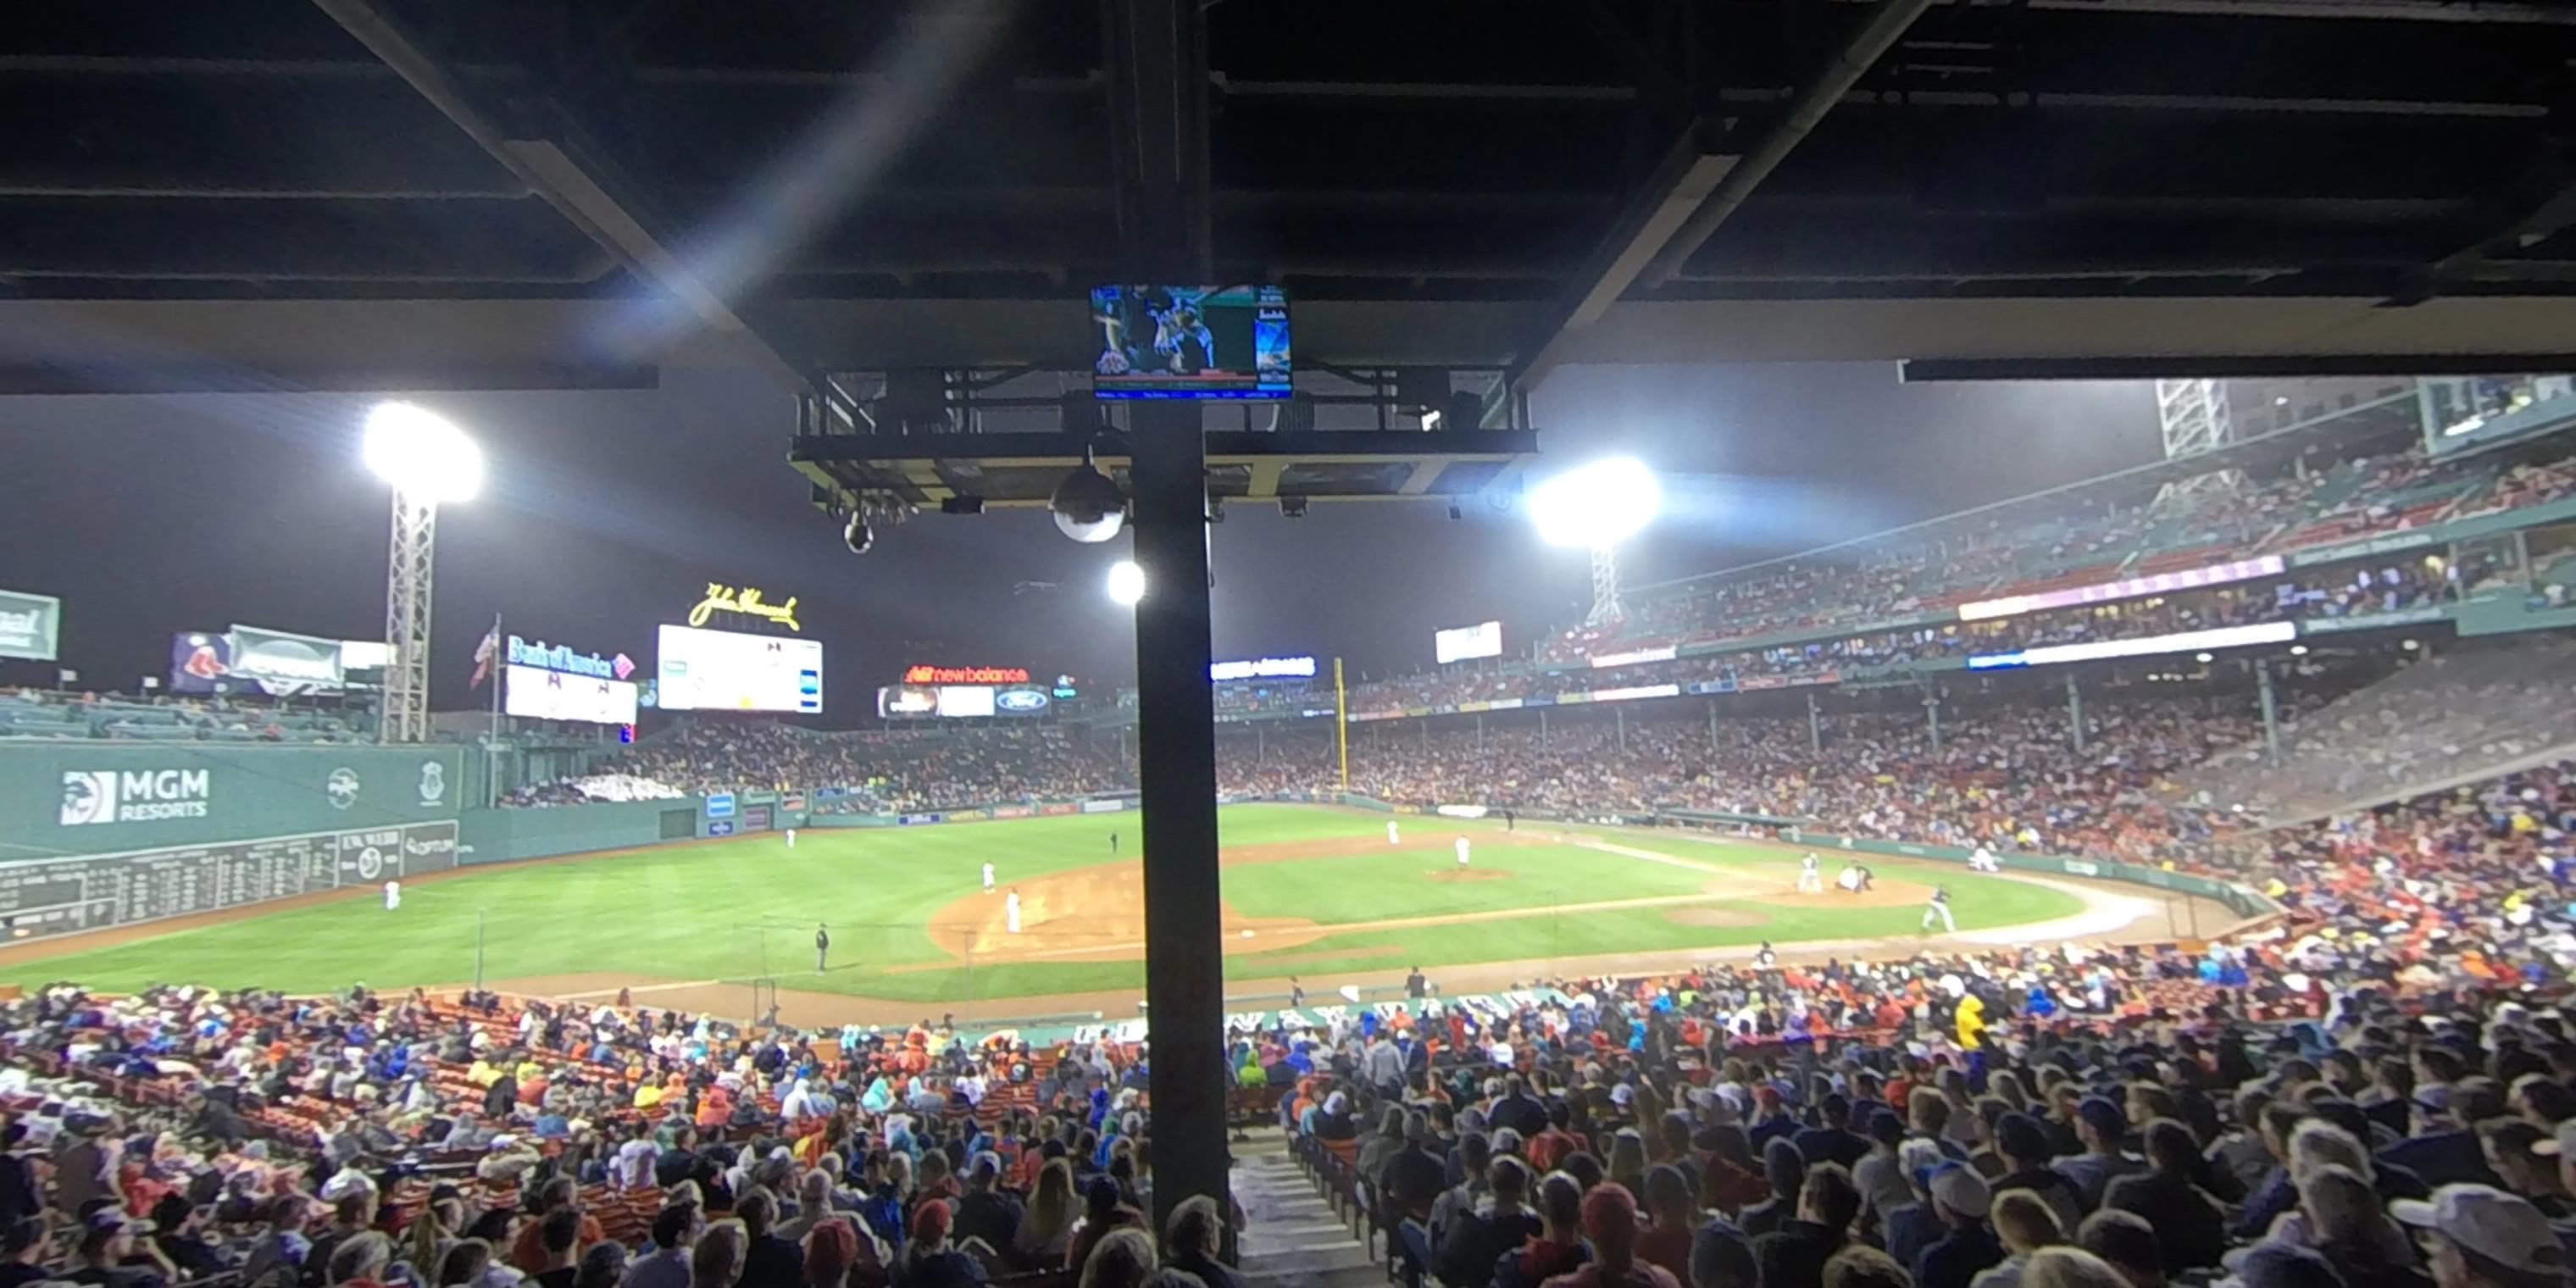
x=1310, y=891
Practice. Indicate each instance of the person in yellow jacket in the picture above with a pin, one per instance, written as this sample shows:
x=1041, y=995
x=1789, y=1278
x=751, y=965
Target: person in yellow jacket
x=1970, y=1017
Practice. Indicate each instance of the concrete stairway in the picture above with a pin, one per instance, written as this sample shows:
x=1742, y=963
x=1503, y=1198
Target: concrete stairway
x=1293, y=1239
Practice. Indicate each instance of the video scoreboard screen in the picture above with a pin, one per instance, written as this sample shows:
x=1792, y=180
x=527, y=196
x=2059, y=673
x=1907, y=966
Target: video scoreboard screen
x=1190, y=342
x=703, y=670
x=540, y=694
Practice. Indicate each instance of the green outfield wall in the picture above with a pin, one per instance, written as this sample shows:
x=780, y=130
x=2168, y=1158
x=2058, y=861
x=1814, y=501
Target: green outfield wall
x=60, y=798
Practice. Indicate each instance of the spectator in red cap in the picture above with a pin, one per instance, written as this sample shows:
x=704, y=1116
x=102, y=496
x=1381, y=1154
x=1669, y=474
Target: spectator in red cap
x=929, y=1260
x=1610, y=1222
x=831, y=1248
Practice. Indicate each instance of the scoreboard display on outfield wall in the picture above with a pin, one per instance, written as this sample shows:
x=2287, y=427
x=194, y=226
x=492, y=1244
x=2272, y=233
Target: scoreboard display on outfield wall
x=540, y=694
x=703, y=670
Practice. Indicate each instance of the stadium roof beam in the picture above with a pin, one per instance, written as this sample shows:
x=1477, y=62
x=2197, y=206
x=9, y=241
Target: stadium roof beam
x=1804, y=112
x=2488, y=258
x=553, y=173
x=1688, y=194
x=2499, y=11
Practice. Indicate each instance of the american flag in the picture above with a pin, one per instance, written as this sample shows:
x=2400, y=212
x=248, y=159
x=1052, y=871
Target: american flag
x=484, y=653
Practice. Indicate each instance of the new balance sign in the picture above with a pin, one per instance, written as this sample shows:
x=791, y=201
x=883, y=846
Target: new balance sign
x=108, y=796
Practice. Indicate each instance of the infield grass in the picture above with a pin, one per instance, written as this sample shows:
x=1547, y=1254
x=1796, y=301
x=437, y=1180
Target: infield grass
x=747, y=907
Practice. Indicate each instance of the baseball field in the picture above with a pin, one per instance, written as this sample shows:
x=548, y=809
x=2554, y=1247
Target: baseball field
x=1313, y=892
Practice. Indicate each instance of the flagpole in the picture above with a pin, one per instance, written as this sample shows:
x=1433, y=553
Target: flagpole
x=492, y=744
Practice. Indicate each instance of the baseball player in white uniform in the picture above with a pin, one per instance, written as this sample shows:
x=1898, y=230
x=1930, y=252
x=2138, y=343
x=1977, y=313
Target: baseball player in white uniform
x=1811, y=880
x=1390, y=832
x=791, y=838
x=1011, y=912
x=1982, y=859
x=988, y=878
x=393, y=895
x=1462, y=851
x=1850, y=878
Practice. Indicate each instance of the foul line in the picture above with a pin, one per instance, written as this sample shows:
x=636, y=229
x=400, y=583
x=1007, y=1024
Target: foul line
x=1650, y=856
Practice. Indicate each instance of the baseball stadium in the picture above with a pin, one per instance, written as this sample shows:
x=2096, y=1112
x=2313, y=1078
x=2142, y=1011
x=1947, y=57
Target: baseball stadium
x=1766, y=644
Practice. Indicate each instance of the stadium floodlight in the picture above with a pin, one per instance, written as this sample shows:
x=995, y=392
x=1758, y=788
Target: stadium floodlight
x=428, y=461
x=1126, y=583
x=1596, y=505
x=421, y=454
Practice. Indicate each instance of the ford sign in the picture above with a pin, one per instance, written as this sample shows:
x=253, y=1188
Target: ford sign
x=1020, y=702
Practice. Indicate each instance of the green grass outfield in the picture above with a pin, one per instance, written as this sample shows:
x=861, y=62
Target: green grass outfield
x=741, y=908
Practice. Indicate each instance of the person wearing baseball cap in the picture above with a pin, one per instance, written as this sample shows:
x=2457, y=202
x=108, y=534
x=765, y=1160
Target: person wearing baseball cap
x=2023, y=1144
x=1960, y=1198
x=2478, y=1236
x=2102, y=1125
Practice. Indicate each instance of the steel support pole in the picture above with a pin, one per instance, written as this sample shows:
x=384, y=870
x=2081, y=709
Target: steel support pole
x=1155, y=53
x=1932, y=720
x=1815, y=727
x=2271, y=709
x=1620, y=714
x=2075, y=714
x=1176, y=752
x=1712, y=724
x=1542, y=728
x=1480, y=733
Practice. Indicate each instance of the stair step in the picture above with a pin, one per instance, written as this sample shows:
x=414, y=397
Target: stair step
x=1357, y=1277
x=1314, y=1256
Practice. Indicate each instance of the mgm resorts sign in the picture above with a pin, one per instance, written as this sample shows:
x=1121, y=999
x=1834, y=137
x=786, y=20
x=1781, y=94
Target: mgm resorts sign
x=134, y=796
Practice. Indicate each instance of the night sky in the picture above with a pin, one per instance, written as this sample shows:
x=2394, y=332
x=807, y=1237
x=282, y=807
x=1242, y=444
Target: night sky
x=608, y=512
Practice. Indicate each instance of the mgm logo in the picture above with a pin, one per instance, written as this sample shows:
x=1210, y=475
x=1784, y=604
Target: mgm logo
x=134, y=796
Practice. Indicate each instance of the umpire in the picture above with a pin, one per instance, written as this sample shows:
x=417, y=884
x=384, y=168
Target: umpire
x=822, y=946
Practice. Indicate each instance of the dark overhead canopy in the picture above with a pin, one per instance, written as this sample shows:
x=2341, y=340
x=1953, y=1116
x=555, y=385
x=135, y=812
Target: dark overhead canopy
x=573, y=192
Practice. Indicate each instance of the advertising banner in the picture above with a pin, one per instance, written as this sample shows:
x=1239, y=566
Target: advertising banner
x=1464, y=643
x=1052, y=811
x=727, y=671
x=1103, y=807
x=200, y=663
x=31, y=626
x=283, y=665
x=1022, y=702
x=720, y=805
x=555, y=695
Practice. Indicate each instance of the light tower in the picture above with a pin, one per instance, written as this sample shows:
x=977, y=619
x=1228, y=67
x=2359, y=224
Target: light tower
x=2194, y=417
x=426, y=460
x=1597, y=506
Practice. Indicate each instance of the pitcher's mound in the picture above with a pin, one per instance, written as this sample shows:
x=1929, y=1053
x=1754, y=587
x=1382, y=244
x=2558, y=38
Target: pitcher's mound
x=1461, y=875
x=1724, y=917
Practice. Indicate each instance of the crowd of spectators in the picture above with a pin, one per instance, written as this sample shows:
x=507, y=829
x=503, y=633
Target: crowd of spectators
x=589, y=789
x=2128, y=1119
x=1985, y=555
x=2348, y=591
x=2457, y=714
x=180, y=1135
x=899, y=771
x=44, y=713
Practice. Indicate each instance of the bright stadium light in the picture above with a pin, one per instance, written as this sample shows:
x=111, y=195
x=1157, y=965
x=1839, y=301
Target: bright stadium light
x=1596, y=505
x=1126, y=583
x=428, y=461
x=422, y=454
